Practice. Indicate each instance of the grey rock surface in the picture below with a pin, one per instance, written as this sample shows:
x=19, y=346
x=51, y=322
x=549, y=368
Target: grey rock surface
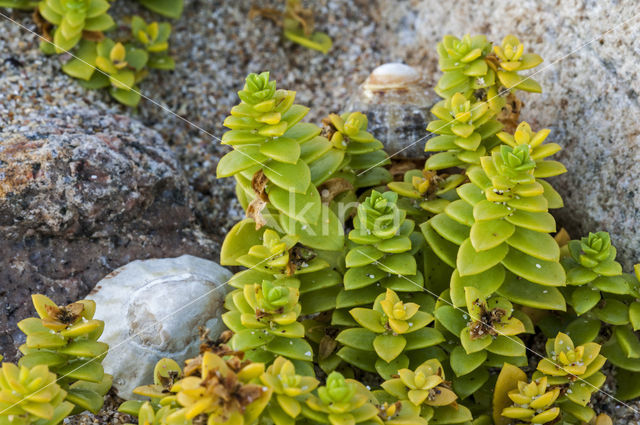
x=397, y=100
x=154, y=309
x=82, y=192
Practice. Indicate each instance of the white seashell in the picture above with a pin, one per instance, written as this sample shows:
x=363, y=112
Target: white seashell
x=153, y=309
x=396, y=99
x=391, y=76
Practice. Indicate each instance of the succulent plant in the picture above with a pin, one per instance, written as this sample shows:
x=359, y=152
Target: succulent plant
x=511, y=59
x=154, y=38
x=362, y=153
x=264, y=318
x=601, y=293
x=567, y=362
x=124, y=66
x=163, y=403
x=464, y=66
x=72, y=18
x=117, y=66
x=165, y=374
x=65, y=339
x=596, y=252
x=484, y=336
x=533, y=402
x=386, y=334
x=425, y=385
x=623, y=347
x=575, y=370
x=466, y=132
x=281, y=256
x=100, y=62
x=299, y=25
x=264, y=310
x=591, y=269
x=423, y=193
x=470, y=66
x=225, y=393
x=427, y=389
x=269, y=256
x=271, y=168
x=381, y=252
x=497, y=235
x=376, y=306
x=340, y=402
x=30, y=395
x=289, y=389
x=491, y=326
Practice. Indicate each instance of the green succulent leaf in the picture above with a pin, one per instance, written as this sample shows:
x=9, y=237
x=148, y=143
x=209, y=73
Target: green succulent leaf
x=168, y=8
x=548, y=273
x=358, y=338
x=463, y=363
x=471, y=262
x=388, y=347
x=529, y=294
x=470, y=383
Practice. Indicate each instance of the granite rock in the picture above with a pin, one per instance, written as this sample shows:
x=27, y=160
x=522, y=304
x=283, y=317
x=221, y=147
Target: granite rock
x=154, y=309
x=83, y=192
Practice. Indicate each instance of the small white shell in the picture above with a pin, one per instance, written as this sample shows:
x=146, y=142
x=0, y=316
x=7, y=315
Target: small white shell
x=153, y=309
x=396, y=99
x=391, y=76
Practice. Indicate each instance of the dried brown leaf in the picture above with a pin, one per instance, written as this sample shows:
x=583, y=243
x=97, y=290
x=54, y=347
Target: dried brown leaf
x=43, y=25
x=65, y=315
x=254, y=210
x=303, y=16
x=509, y=116
x=399, y=168
x=332, y=188
x=328, y=129
x=326, y=347
x=96, y=36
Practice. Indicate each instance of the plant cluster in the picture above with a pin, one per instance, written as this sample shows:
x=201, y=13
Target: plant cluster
x=78, y=26
x=31, y=395
x=60, y=371
x=298, y=25
x=476, y=68
x=561, y=385
x=444, y=271
x=364, y=297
